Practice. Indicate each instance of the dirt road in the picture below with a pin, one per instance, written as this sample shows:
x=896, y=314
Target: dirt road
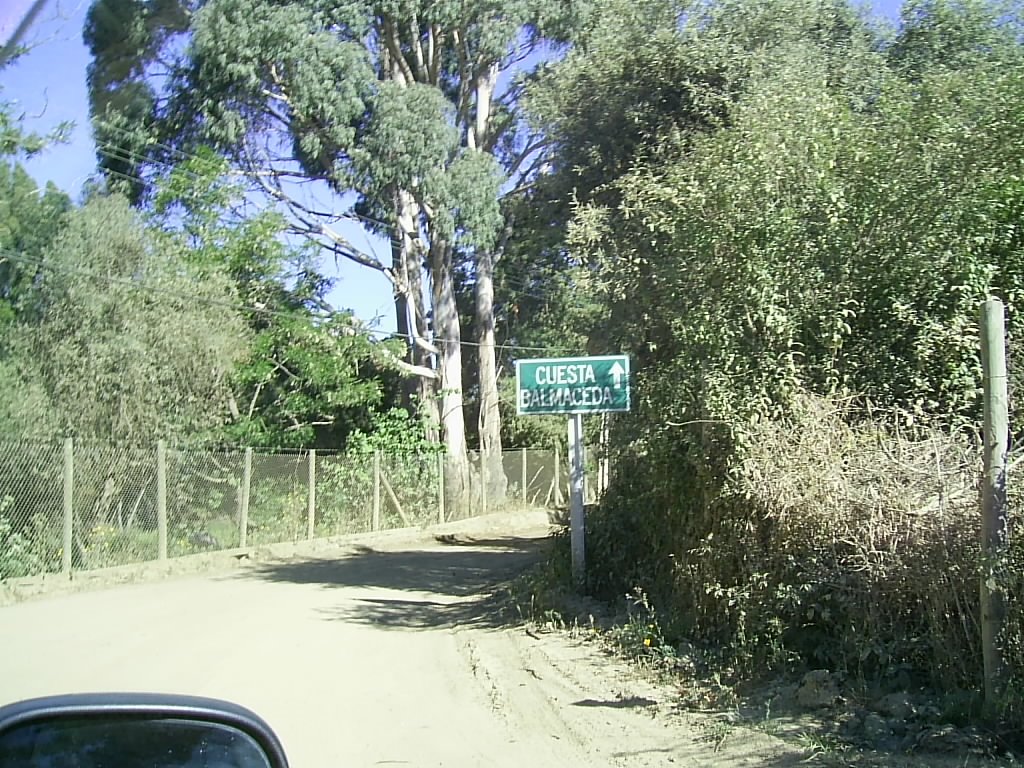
x=389, y=654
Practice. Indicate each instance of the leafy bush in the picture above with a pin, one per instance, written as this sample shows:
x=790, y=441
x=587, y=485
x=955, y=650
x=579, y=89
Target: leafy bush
x=830, y=540
x=20, y=554
x=109, y=545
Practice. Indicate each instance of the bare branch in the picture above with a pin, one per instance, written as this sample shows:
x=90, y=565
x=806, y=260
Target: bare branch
x=236, y=414
x=297, y=425
x=511, y=94
x=255, y=397
x=485, y=83
x=306, y=221
x=410, y=368
x=283, y=369
x=276, y=96
x=523, y=188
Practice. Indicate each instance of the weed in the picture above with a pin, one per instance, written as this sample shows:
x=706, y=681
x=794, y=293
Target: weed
x=717, y=731
x=818, y=745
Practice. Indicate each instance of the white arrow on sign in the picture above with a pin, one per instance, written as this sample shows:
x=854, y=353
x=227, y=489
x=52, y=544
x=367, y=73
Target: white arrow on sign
x=617, y=372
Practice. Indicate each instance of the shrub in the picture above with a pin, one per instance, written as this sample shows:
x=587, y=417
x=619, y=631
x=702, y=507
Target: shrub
x=823, y=538
x=20, y=554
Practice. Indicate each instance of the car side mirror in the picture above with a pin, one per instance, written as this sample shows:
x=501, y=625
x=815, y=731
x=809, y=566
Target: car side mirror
x=118, y=730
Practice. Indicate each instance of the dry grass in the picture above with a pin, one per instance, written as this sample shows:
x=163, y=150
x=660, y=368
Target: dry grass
x=873, y=522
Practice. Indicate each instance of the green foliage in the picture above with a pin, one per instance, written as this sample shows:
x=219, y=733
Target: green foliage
x=125, y=342
x=399, y=101
x=15, y=140
x=801, y=204
x=953, y=35
x=395, y=433
x=108, y=545
x=28, y=222
x=21, y=554
x=124, y=36
x=640, y=636
x=409, y=137
x=307, y=377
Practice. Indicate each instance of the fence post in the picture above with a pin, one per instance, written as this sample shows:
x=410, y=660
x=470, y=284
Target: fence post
x=376, y=490
x=525, y=497
x=161, y=499
x=994, y=521
x=243, y=500
x=440, y=487
x=484, y=466
x=69, y=505
x=311, y=519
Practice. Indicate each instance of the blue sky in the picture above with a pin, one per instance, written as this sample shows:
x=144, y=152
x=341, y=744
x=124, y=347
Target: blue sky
x=48, y=86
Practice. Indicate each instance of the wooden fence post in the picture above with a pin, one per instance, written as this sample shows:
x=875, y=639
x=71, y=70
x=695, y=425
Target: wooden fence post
x=440, y=487
x=394, y=501
x=485, y=465
x=995, y=520
x=161, y=499
x=311, y=517
x=69, y=505
x=525, y=481
x=243, y=500
x=376, y=491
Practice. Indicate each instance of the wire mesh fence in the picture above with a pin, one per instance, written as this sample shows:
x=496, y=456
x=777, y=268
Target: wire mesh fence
x=31, y=504
x=86, y=505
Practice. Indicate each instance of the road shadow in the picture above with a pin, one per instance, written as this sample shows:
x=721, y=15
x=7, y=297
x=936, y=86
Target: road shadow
x=456, y=580
x=627, y=702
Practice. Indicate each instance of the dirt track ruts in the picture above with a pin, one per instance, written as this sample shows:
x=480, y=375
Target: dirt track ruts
x=375, y=654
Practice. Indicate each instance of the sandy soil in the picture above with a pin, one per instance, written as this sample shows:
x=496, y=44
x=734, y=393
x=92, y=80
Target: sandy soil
x=383, y=652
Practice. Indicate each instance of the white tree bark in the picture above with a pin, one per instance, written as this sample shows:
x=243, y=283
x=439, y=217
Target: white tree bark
x=448, y=339
x=421, y=391
x=493, y=474
x=490, y=415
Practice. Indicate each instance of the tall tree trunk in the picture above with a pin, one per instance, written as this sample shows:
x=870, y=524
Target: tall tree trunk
x=448, y=339
x=478, y=138
x=409, y=385
x=492, y=469
x=420, y=392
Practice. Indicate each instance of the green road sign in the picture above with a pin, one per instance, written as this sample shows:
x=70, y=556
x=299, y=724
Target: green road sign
x=572, y=385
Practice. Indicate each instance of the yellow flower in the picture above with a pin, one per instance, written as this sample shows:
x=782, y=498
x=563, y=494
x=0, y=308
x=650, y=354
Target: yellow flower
x=647, y=642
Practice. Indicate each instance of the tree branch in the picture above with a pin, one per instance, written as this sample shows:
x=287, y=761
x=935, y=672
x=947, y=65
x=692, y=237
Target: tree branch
x=410, y=368
x=393, y=42
x=532, y=146
x=297, y=425
x=417, y=49
x=435, y=44
x=485, y=84
x=308, y=218
x=233, y=406
x=255, y=397
x=466, y=86
x=284, y=369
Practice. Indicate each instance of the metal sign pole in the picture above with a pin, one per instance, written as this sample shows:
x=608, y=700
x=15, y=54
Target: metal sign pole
x=573, y=386
x=577, y=522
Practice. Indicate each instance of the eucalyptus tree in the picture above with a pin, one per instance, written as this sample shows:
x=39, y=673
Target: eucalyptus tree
x=398, y=108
